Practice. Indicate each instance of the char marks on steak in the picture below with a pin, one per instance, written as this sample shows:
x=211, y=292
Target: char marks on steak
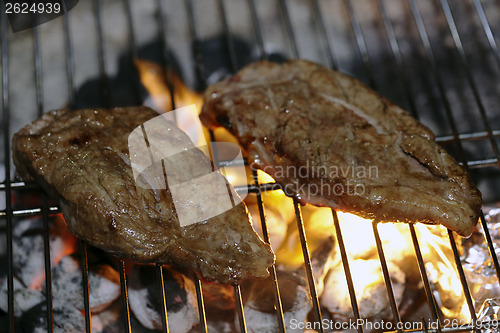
x=331, y=141
x=82, y=156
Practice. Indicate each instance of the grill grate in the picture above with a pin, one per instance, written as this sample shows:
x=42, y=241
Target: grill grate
x=325, y=35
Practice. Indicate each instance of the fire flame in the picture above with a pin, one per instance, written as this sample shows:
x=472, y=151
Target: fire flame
x=155, y=79
x=398, y=249
x=398, y=246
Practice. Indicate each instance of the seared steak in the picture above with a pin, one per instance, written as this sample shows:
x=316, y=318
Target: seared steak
x=331, y=141
x=83, y=157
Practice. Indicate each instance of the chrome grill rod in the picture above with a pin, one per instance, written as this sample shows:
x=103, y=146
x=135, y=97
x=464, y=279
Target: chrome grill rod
x=4, y=43
x=45, y=211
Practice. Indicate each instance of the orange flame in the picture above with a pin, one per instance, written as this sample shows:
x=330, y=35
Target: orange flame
x=398, y=247
x=155, y=79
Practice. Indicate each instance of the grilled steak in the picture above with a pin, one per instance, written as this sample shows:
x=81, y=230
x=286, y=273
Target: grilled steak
x=83, y=157
x=331, y=141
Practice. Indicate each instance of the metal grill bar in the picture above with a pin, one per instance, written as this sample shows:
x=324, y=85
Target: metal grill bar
x=227, y=34
x=48, y=274
x=132, y=48
x=6, y=137
x=492, y=162
x=468, y=136
x=124, y=296
x=321, y=27
x=307, y=262
x=272, y=271
x=397, y=57
x=161, y=287
x=131, y=33
x=289, y=28
x=85, y=286
x=45, y=216
x=27, y=212
x=463, y=279
x=38, y=71
x=424, y=324
x=70, y=63
x=387, y=278
x=257, y=30
x=103, y=78
x=361, y=43
x=239, y=308
x=431, y=301
x=197, y=53
x=162, y=28
x=347, y=269
x=201, y=306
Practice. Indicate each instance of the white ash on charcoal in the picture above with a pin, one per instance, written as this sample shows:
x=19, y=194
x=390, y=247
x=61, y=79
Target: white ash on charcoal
x=259, y=309
x=67, y=299
x=66, y=320
x=146, y=302
x=29, y=261
x=109, y=320
x=28, y=248
x=370, y=290
x=104, y=285
x=220, y=327
x=24, y=298
x=67, y=293
x=118, y=326
x=258, y=295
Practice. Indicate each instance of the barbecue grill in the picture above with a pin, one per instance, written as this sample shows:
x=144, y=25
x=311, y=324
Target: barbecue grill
x=437, y=58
